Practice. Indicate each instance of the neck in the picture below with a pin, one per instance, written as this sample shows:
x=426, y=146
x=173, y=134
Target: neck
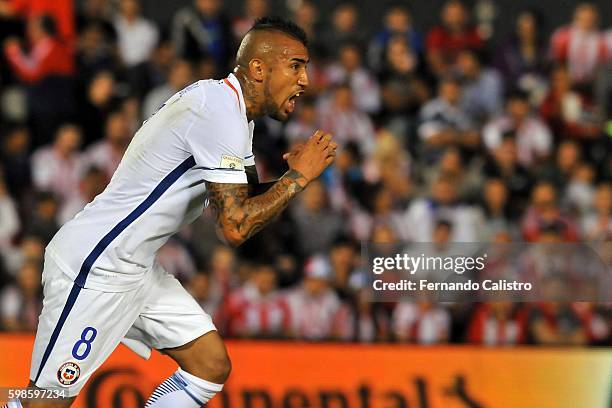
x=29, y=293
x=456, y=29
x=117, y=146
x=494, y=210
x=39, y=38
x=251, y=94
x=62, y=153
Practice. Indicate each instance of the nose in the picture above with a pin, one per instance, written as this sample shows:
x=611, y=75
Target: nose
x=303, y=79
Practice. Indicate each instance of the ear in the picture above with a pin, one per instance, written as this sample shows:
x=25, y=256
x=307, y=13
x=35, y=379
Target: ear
x=257, y=69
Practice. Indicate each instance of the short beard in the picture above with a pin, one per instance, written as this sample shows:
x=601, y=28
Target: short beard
x=270, y=107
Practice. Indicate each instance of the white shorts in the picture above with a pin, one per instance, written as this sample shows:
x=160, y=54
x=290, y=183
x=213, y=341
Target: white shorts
x=79, y=328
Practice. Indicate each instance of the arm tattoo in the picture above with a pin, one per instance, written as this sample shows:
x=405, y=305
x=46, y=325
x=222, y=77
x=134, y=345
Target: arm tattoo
x=240, y=217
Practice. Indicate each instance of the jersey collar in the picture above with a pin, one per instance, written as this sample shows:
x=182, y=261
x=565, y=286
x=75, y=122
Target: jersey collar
x=232, y=82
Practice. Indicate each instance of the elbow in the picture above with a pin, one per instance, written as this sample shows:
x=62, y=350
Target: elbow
x=230, y=237
x=234, y=242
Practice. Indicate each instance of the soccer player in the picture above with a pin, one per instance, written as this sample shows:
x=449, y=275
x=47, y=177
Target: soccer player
x=102, y=285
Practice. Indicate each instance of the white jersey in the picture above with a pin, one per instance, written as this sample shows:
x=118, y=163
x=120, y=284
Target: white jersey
x=201, y=133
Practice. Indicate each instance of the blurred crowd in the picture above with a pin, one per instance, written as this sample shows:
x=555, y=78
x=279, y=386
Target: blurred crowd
x=445, y=136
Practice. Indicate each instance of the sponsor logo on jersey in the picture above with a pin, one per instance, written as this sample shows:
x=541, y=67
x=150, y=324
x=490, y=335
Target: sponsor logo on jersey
x=68, y=373
x=231, y=162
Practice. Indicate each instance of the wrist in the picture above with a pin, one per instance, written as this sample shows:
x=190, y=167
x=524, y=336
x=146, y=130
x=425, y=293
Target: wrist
x=296, y=177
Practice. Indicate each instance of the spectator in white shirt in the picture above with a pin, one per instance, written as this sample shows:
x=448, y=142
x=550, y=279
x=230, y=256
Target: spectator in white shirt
x=30, y=248
x=107, y=153
x=422, y=323
x=175, y=258
x=533, y=138
x=597, y=222
x=181, y=75
x=57, y=168
x=349, y=69
x=137, y=36
x=423, y=214
x=93, y=183
x=316, y=310
x=347, y=123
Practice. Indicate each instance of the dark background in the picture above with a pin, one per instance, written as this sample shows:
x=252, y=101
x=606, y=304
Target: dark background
x=425, y=12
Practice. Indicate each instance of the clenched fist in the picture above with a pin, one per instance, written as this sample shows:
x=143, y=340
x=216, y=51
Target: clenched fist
x=312, y=157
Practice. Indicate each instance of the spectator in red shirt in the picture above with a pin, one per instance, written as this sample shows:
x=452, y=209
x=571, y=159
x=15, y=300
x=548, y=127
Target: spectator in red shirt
x=48, y=56
x=257, y=309
x=62, y=11
x=594, y=322
x=569, y=113
x=47, y=69
x=581, y=45
x=444, y=42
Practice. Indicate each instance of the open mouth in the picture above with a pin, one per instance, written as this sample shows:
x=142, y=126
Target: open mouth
x=291, y=101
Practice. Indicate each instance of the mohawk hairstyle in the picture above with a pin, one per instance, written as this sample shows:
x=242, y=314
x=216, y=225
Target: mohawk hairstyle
x=280, y=24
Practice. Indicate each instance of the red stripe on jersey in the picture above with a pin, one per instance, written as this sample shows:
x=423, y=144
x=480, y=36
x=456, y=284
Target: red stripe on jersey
x=228, y=83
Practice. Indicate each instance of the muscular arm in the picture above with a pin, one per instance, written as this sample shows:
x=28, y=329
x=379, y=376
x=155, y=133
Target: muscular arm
x=239, y=216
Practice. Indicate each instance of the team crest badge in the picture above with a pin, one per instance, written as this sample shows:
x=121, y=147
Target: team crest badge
x=68, y=373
